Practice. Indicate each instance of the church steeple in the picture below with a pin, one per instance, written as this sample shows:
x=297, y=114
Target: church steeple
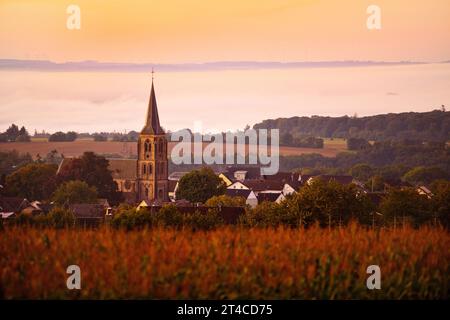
x=152, y=164
x=152, y=125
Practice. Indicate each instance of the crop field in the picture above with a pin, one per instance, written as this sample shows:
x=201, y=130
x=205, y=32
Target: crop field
x=226, y=263
x=128, y=149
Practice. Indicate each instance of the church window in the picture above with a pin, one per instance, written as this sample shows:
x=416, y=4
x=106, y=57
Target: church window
x=144, y=169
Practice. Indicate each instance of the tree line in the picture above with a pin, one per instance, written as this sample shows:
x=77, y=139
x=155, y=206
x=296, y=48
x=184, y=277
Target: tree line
x=14, y=134
x=424, y=126
x=408, y=153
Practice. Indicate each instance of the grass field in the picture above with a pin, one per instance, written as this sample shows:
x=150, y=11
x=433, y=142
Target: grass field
x=225, y=263
x=127, y=149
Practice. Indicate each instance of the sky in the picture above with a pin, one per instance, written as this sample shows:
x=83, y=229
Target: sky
x=174, y=31
x=201, y=31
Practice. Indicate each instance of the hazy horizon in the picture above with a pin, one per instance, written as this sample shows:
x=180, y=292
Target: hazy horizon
x=225, y=64
x=220, y=99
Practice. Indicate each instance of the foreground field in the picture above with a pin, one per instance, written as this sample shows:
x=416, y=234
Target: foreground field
x=128, y=149
x=225, y=263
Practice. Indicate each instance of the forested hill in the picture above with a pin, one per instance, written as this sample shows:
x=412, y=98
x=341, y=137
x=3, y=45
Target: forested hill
x=427, y=126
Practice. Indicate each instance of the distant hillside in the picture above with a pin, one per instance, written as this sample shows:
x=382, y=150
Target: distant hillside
x=80, y=66
x=427, y=126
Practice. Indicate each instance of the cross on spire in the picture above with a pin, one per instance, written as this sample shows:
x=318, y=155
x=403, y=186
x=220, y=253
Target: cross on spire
x=153, y=72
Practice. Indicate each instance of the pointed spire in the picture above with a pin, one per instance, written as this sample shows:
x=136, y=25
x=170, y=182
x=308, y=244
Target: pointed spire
x=152, y=125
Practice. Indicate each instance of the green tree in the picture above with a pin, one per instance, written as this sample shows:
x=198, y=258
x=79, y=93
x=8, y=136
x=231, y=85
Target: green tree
x=329, y=203
x=200, y=185
x=23, y=135
x=357, y=144
x=61, y=218
x=402, y=206
x=100, y=138
x=286, y=139
x=265, y=214
x=225, y=201
x=12, y=132
x=375, y=183
x=75, y=192
x=423, y=175
x=35, y=181
x=361, y=172
x=441, y=201
x=93, y=170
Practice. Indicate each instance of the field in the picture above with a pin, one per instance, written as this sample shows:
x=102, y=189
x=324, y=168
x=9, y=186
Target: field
x=225, y=263
x=128, y=149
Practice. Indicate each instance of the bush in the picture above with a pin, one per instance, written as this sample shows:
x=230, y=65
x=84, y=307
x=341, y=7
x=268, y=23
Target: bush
x=75, y=192
x=406, y=206
x=100, y=138
x=225, y=201
x=357, y=144
x=61, y=218
x=203, y=221
x=61, y=136
x=266, y=214
x=167, y=217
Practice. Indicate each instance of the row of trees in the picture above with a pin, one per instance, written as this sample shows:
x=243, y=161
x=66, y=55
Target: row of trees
x=14, y=134
x=388, y=153
x=60, y=136
x=39, y=181
x=332, y=204
x=425, y=126
x=287, y=139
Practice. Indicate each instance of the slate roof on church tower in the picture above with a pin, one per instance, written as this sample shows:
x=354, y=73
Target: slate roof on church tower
x=152, y=125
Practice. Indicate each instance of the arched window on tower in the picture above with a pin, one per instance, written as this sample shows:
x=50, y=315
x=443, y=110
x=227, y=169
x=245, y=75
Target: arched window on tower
x=150, y=168
x=144, y=169
x=147, y=148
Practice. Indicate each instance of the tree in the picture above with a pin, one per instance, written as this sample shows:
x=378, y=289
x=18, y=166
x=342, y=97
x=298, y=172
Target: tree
x=200, y=185
x=286, y=139
x=424, y=176
x=93, y=170
x=405, y=205
x=361, y=171
x=100, y=138
x=225, y=201
x=57, y=137
x=61, y=136
x=12, y=132
x=11, y=161
x=35, y=181
x=357, y=144
x=59, y=218
x=23, y=135
x=75, y=192
x=71, y=136
x=441, y=201
x=329, y=203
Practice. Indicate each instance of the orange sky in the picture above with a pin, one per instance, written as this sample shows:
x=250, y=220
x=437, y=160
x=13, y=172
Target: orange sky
x=212, y=30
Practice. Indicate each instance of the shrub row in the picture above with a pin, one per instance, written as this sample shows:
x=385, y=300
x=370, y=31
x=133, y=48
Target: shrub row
x=167, y=216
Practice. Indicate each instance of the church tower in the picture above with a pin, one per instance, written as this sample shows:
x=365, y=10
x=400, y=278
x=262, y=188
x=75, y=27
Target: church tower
x=152, y=164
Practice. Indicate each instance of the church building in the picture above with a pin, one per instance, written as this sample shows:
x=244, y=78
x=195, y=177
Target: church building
x=144, y=178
